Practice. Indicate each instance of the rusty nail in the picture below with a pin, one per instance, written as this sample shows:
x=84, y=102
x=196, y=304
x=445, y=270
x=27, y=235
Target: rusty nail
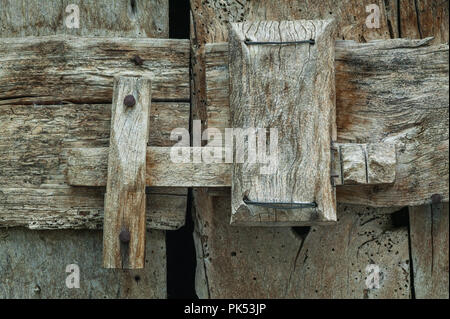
x=436, y=198
x=137, y=60
x=124, y=236
x=129, y=101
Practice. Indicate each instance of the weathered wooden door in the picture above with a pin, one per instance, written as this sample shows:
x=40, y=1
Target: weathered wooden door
x=58, y=60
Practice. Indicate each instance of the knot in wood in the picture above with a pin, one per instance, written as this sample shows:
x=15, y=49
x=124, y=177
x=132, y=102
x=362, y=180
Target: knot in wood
x=129, y=101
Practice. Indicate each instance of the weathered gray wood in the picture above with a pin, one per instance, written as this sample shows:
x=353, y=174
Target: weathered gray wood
x=33, y=266
x=65, y=207
x=60, y=69
x=381, y=163
x=429, y=226
x=353, y=161
x=35, y=145
x=373, y=163
x=124, y=18
x=289, y=88
x=377, y=102
x=87, y=167
x=326, y=262
x=125, y=188
x=210, y=23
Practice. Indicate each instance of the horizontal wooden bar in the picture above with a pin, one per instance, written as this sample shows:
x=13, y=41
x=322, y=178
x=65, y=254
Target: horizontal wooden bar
x=88, y=167
x=61, y=69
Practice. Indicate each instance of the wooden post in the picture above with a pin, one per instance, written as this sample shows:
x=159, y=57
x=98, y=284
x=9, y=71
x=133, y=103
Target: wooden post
x=276, y=82
x=124, y=224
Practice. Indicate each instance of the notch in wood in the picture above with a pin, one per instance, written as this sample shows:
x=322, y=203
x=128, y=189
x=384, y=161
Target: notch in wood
x=124, y=221
x=290, y=88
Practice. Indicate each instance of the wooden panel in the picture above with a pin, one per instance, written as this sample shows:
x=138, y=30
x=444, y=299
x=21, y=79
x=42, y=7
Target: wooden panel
x=324, y=262
x=33, y=264
x=124, y=223
x=100, y=18
x=61, y=69
x=377, y=102
x=429, y=226
x=289, y=88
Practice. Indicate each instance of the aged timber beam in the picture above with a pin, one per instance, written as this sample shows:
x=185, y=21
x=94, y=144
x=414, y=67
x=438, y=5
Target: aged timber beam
x=124, y=225
x=63, y=69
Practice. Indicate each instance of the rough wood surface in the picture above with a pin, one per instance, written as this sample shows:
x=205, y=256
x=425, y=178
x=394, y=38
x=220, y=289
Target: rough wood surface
x=35, y=145
x=429, y=228
x=39, y=257
x=125, y=188
x=33, y=266
x=391, y=91
x=210, y=23
x=87, y=167
x=289, y=88
x=60, y=69
x=322, y=262
x=373, y=163
x=98, y=18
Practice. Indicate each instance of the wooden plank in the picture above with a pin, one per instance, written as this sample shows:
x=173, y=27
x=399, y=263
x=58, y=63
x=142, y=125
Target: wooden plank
x=87, y=167
x=65, y=207
x=429, y=226
x=324, y=262
x=124, y=224
x=100, y=18
x=267, y=91
x=60, y=69
x=377, y=102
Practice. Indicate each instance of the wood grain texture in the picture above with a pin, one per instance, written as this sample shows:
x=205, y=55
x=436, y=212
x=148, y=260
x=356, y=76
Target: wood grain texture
x=125, y=188
x=391, y=91
x=429, y=225
x=210, y=23
x=33, y=264
x=98, y=18
x=373, y=163
x=87, y=167
x=55, y=69
x=290, y=88
x=35, y=145
x=324, y=262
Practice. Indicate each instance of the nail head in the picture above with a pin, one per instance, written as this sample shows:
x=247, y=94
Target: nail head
x=129, y=101
x=124, y=236
x=436, y=198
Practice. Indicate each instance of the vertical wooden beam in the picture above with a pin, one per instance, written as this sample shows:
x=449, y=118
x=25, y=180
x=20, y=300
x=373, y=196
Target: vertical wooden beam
x=289, y=87
x=429, y=249
x=124, y=225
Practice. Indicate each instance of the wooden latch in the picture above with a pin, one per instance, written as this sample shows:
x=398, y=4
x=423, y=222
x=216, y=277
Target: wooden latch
x=124, y=221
